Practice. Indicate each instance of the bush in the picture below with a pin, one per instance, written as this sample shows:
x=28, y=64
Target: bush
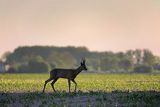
x=35, y=66
x=143, y=69
x=157, y=67
x=23, y=68
x=11, y=70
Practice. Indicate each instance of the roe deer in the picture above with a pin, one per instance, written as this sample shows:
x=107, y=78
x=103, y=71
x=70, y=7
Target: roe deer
x=69, y=74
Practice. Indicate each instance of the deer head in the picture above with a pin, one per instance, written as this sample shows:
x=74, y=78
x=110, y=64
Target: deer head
x=83, y=65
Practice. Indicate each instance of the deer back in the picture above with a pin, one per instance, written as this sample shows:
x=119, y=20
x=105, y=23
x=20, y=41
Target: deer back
x=63, y=73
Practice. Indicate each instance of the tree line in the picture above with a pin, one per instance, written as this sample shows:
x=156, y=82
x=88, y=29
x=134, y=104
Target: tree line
x=44, y=58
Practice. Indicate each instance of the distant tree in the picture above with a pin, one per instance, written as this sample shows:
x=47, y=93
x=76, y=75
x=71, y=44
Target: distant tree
x=64, y=59
x=12, y=70
x=5, y=55
x=143, y=69
x=138, y=56
x=130, y=56
x=120, y=55
x=36, y=66
x=125, y=64
x=109, y=64
x=23, y=68
x=22, y=59
x=148, y=58
x=93, y=64
x=157, y=59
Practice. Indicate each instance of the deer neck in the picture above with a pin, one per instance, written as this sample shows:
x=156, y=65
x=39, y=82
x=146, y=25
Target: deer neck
x=78, y=70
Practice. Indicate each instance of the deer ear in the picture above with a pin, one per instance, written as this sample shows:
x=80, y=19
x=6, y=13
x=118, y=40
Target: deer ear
x=81, y=61
x=84, y=60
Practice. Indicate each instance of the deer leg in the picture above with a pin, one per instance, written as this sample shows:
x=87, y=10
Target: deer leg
x=52, y=84
x=75, y=85
x=69, y=84
x=46, y=83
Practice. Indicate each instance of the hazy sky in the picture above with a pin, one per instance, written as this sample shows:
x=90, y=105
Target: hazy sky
x=102, y=25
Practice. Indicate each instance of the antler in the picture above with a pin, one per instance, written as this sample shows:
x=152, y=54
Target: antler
x=83, y=60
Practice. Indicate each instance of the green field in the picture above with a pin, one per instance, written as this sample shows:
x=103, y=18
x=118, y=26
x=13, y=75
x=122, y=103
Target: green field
x=93, y=90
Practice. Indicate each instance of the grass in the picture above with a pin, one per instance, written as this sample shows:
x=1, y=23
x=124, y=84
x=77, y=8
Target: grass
x=93, y=90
